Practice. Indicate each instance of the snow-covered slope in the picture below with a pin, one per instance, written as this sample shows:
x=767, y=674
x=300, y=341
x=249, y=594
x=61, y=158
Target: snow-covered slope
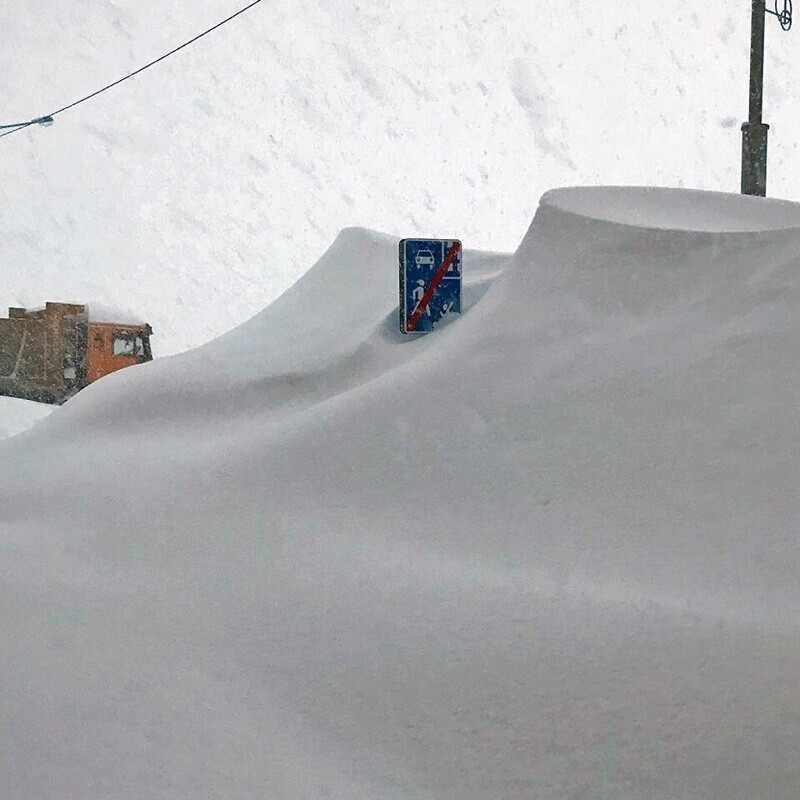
x=548, y=551
x=19, y=415
x=198, y=191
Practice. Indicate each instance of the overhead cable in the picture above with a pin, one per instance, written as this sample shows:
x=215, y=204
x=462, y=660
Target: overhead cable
x=48, y=118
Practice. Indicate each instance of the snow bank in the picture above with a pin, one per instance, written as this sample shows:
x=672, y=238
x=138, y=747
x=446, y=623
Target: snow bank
x=548, y=551
x=19, y=415
x=676, y=209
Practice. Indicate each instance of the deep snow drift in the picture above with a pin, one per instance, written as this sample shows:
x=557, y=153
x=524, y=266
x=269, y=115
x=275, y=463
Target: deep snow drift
x=548, y=551
x=19, y=415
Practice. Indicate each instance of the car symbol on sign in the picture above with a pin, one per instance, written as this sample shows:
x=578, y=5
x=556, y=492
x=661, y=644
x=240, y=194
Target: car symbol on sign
x=424, y=259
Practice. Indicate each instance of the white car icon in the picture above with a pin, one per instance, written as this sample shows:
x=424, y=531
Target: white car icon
x=424, y=258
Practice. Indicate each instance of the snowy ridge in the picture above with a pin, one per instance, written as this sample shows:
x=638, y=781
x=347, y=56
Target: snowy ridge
x=335, y=328
x=549, y=551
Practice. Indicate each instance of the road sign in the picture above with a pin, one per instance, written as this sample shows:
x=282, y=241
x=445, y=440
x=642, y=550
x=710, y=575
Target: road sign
x=430, y=282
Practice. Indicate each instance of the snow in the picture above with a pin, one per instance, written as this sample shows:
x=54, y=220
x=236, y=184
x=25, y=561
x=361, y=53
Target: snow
x=19, y=415
x=547, y=551
x=674, y=209
x=103, y=312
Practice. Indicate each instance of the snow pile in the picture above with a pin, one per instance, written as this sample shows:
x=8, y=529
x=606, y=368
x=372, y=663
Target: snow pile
x=548, y=551
x=19, y=415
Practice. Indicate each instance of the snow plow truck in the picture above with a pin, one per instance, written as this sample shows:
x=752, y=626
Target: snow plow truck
x=50, y=354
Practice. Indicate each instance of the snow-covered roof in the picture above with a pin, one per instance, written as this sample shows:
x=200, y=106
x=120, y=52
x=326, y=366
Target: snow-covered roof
x=105, y=312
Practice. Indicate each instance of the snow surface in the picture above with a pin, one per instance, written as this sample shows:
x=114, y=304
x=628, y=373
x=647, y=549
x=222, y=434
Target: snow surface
x=103, y=312
x=201, y=189
x=549, y=551
x=19, y=415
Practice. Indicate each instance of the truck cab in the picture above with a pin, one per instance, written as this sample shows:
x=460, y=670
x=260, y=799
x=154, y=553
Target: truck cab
x=49, y=354
x=112, y=346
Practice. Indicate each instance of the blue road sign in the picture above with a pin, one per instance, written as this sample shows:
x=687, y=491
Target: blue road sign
x=430, y=282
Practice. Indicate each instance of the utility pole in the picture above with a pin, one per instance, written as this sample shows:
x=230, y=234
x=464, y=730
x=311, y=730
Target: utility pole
x=754, y=131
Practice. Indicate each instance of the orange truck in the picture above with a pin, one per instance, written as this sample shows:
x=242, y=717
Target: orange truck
x=49, y=354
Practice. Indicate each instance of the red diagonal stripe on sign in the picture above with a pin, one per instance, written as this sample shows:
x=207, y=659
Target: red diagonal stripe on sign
x=429, y=292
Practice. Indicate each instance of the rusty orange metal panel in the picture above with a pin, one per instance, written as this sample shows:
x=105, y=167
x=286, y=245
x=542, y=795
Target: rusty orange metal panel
x=101, y=356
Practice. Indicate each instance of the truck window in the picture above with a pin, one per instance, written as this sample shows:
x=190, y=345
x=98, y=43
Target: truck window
x=126, y=344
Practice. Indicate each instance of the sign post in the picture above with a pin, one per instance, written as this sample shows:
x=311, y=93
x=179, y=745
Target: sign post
x=430, y=282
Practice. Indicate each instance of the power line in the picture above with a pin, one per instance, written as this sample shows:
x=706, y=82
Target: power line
x=48, y=118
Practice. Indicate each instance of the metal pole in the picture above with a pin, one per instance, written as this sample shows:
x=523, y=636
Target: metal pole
x=754, y=131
